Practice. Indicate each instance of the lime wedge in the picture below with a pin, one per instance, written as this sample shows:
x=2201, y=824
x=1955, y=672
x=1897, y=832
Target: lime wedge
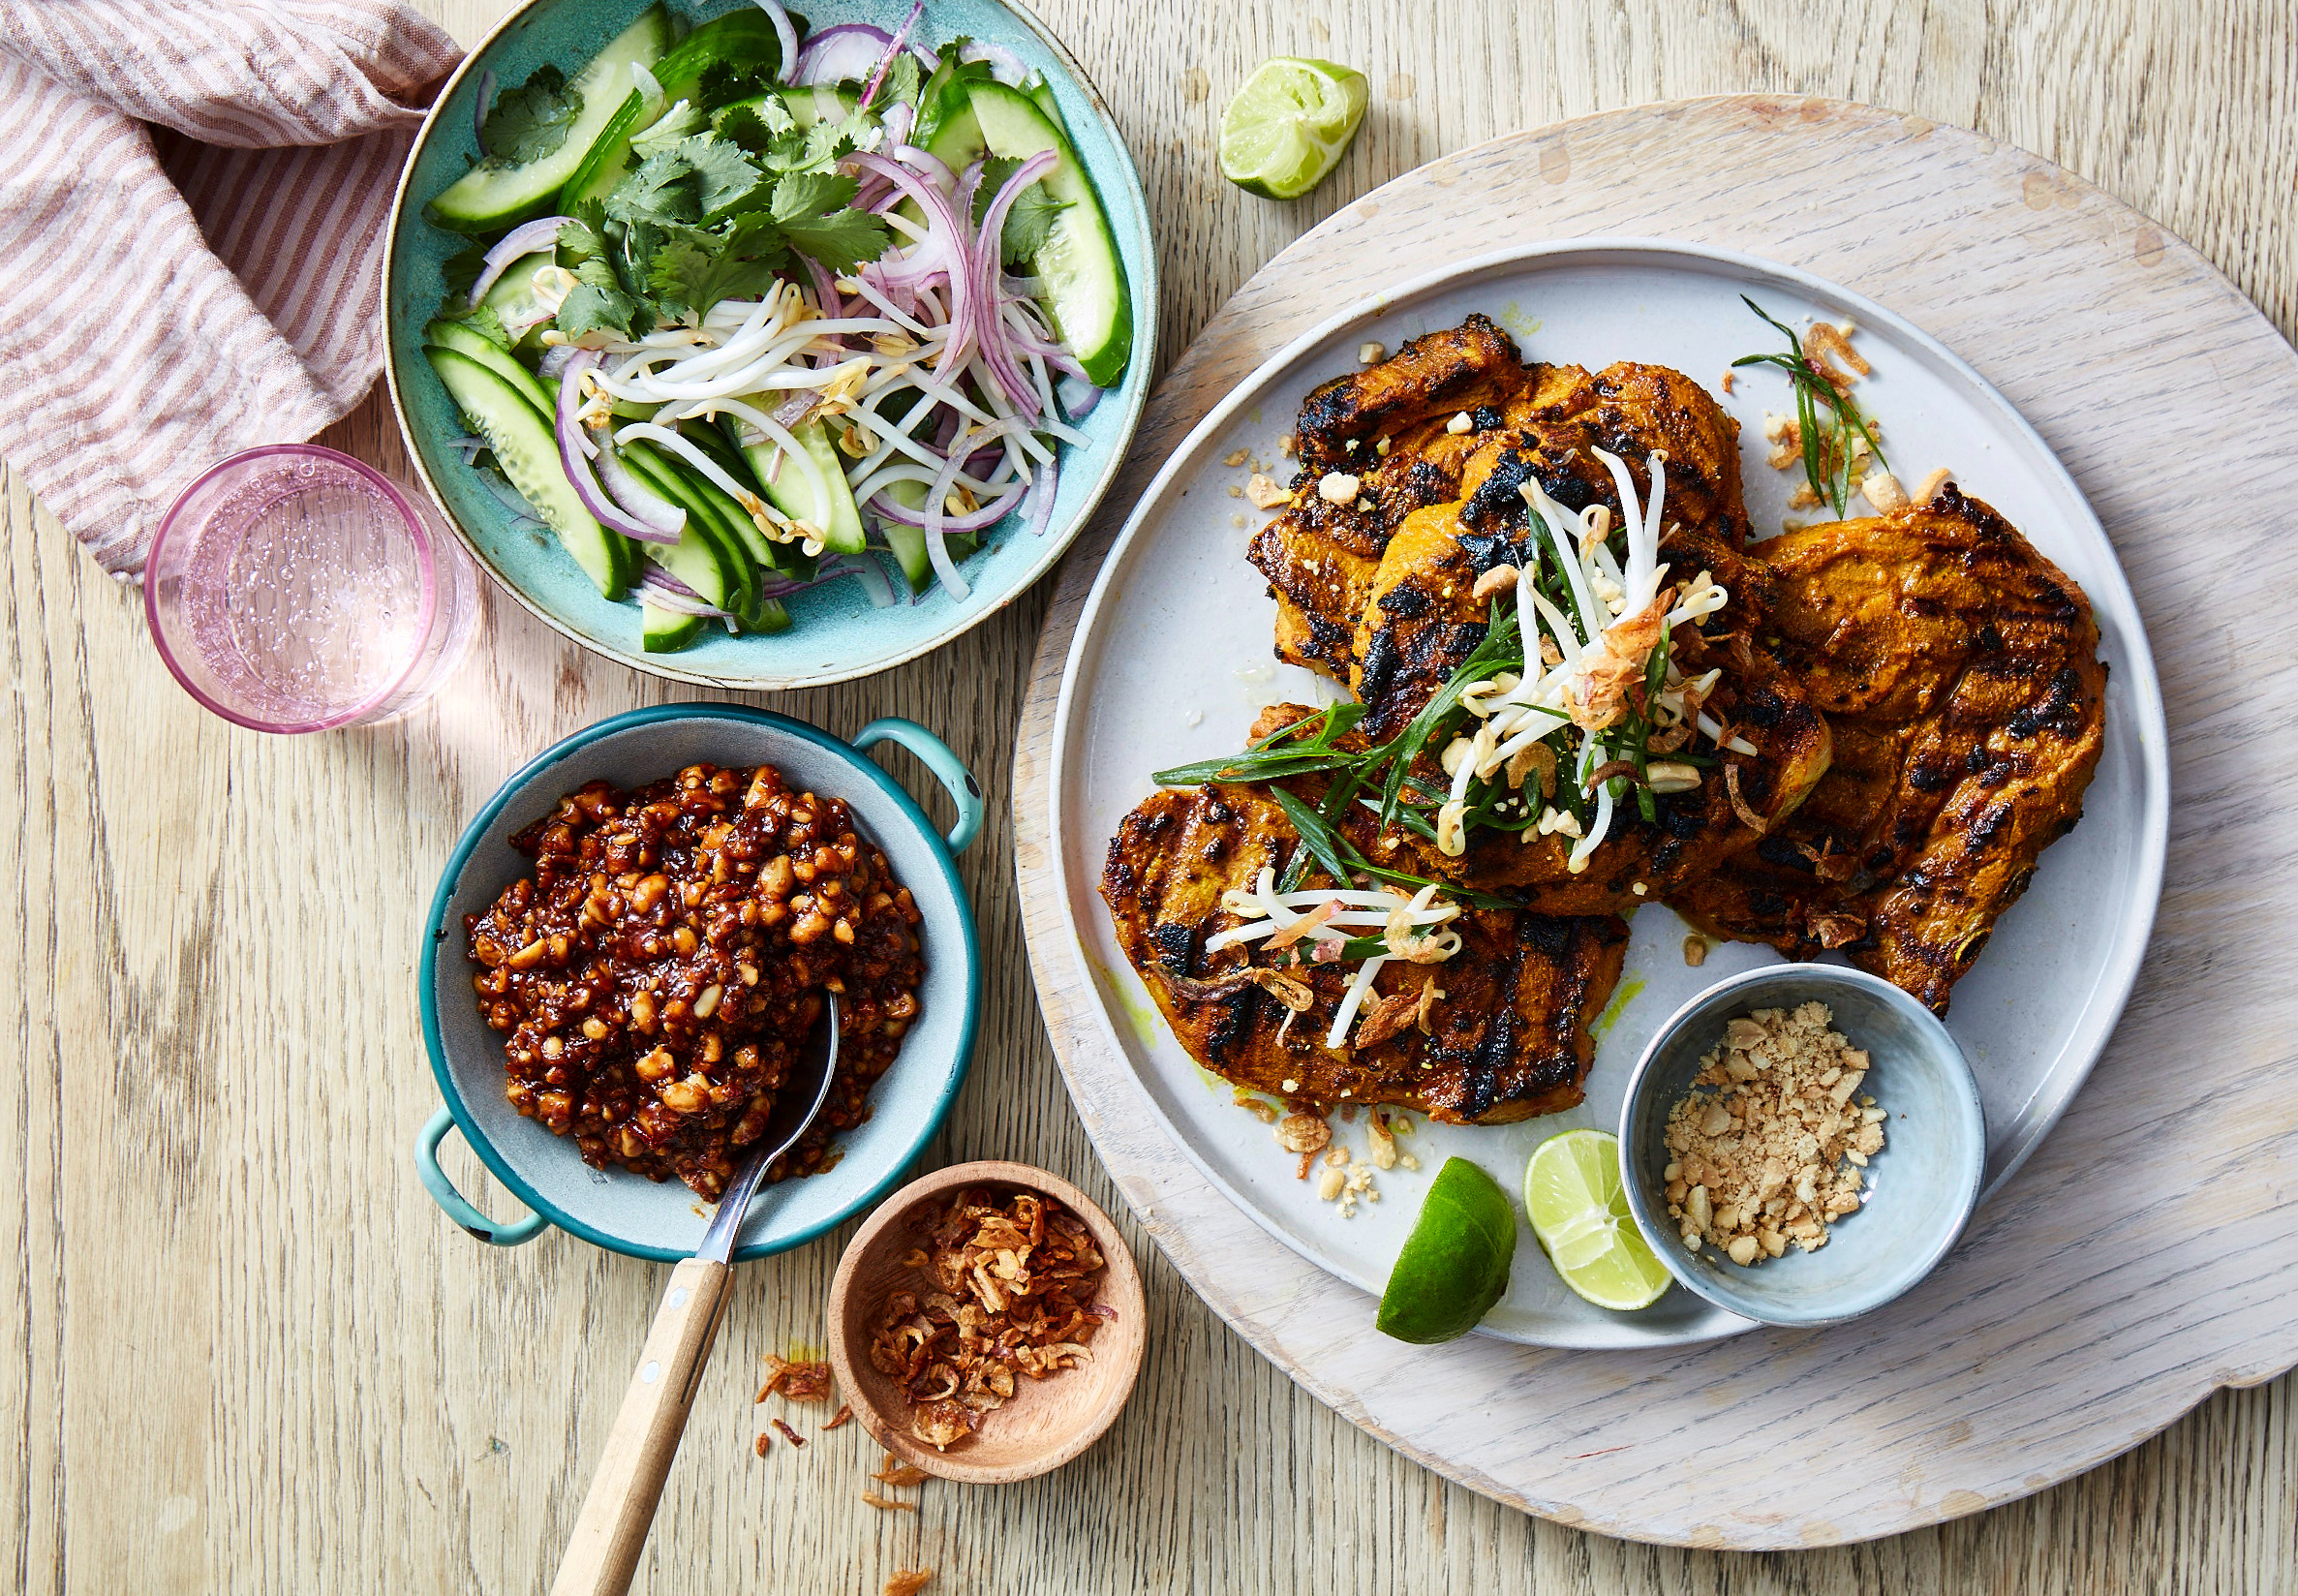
x=1455, y=1263
x=1289, y=124
x=1579, y=1213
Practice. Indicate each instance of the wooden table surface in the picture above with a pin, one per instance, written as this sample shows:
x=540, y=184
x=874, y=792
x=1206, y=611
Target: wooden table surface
x=246, y=1353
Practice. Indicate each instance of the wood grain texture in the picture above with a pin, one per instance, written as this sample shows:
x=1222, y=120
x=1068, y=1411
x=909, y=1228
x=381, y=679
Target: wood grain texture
x=2043, y=1345
x=246, y=1354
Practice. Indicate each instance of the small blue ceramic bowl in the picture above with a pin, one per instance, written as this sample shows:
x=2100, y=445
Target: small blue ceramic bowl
x=1925, y=1181
x=626, y=1212
x=837, y=635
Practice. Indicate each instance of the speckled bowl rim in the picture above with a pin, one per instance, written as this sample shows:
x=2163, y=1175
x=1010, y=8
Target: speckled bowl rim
x=1945, y=1057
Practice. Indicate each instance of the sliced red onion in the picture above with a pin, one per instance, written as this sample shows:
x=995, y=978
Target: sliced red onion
x=531, y=238
x=900, y=118
x=787, y=35
x=893, y=45
x=936, y=551
x=481, y=106
x=864, y=568
x=1004, y=66
x=1076, y=396
x=952, y=227
x=522, y=514
x=577, y=468
x=845, y=53
x=1041, y=501
x=641, y=501
x=825, y=289
x=663, y=591
x=932, y=165
x=991, y=331
x=989, y=515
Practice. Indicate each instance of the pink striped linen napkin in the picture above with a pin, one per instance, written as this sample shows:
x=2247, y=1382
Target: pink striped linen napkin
x=193, y=198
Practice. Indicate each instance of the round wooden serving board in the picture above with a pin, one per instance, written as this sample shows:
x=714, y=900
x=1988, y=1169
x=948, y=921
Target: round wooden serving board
x=2149, y=1251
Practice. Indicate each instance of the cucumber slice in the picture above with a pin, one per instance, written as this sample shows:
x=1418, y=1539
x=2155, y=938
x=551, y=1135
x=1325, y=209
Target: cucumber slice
x=908, y=544
x=513, y=301
x=701, y=558
x=608, y=158
x=1041, y=91
x=1085, y=279
x=665, y=632
x=744, y=37
x=529, y=455
x=459, y=337
x=493, y=196
x=812, y=488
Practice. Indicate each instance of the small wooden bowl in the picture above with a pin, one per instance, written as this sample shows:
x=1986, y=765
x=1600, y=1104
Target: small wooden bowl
x=1046, y=1421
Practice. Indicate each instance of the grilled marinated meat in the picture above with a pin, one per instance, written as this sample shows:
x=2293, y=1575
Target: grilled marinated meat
x=1960, y=670
x=1507, y=1039
x=1541, y=421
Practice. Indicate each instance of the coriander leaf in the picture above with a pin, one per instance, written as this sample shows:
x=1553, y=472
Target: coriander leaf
x=801, y=194
x=697, y=269
x=810, y=209
x=1028, y=224
x=901, y=82
x=723, y=83
x=580, y=238
x=593, y=307
x=745, y=129
x=529, y=122
x=461, y=270
x=488, y=325
x=723, y=176
x=678, y=122
x=994, y=174
x=655, y=192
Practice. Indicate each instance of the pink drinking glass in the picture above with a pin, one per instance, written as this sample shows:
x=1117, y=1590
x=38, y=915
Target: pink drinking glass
x=292, y=588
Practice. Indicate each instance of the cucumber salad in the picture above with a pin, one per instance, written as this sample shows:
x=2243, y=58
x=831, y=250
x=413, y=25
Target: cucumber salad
x=750, y=309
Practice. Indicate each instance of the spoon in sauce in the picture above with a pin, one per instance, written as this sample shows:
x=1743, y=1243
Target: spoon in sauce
x=603, y=1553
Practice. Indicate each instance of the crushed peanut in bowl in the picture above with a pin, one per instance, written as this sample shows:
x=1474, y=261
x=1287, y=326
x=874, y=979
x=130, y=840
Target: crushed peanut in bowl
x=1008, y=1284
x=1767, y=1147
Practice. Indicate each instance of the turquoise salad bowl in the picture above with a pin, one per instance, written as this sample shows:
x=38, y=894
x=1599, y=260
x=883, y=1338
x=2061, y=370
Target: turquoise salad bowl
x=613, y=1207
x=835, y=635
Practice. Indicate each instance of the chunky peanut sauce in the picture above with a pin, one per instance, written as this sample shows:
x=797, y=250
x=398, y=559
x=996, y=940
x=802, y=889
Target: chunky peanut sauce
x=659, y=971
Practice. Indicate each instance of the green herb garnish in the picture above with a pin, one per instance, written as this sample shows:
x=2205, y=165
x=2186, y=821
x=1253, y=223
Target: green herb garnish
x=1827, y=453
x=528, y=123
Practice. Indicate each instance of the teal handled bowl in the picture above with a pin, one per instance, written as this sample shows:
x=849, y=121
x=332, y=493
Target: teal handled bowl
x=835, y=635
x=1926, y=1181
x=627, y=1213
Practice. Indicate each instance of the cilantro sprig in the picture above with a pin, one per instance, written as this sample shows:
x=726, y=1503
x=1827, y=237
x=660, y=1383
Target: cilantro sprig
x=531, y=121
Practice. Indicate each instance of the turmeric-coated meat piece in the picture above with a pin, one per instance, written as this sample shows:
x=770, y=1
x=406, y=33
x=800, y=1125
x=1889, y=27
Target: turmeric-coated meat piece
x=1960, y=670
x=1502, y=1034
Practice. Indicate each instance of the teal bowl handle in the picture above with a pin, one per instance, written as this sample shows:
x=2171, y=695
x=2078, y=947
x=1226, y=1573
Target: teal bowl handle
x=947, y=768
x=443, y=1191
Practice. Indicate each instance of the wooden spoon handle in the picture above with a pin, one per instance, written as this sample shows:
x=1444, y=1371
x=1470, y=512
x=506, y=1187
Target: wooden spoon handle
x=603, y=1551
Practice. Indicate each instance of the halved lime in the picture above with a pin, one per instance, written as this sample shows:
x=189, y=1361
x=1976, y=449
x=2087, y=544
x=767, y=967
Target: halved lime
x=1579, y=1213
x=1455, y=1263
x=1289, y=124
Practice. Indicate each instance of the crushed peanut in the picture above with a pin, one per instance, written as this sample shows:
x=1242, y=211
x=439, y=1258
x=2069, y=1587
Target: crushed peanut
x=1883, y=492
x=1460, y=423
x=1338, y=487
x=1695, y=950
x=1236, y=457
x=1266, y=494
x=1369, y=354
x=1303, y=1133
x=1766, y=1146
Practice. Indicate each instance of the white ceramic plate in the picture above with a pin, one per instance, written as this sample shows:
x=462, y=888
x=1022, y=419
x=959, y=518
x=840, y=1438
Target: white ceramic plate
x=1171, y=659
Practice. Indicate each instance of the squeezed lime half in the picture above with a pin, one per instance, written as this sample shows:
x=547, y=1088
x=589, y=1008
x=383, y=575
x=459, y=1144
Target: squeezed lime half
x=1455, y=1263
x=1579, y=1213
x=1289, y=125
